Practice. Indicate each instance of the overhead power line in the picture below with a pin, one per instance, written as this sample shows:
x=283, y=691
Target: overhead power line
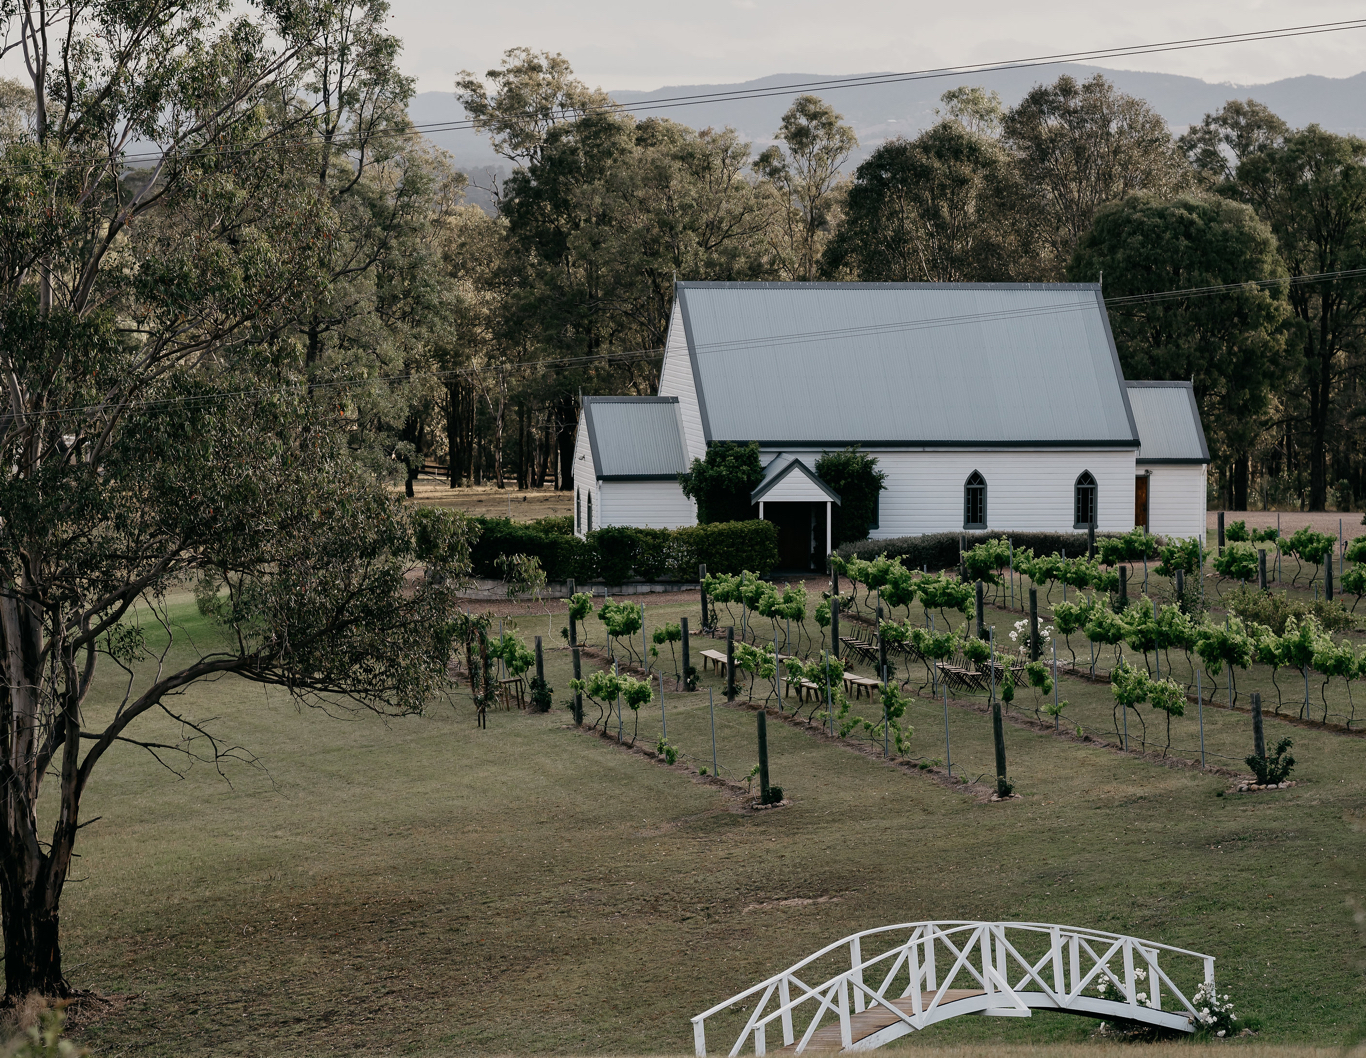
x=833, y=84
x=544, y=363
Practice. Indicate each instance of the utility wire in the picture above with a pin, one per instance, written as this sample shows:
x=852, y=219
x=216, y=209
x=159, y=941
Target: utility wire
x=827, y=84
x=656, y=353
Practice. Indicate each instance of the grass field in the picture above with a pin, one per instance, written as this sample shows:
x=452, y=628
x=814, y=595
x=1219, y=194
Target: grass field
x=419, y=886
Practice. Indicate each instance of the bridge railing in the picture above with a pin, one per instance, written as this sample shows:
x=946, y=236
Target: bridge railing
x=1009, y=969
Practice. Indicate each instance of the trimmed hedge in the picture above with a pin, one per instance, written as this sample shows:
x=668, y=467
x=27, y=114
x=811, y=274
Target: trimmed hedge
x=617, y=554
x=939, y=551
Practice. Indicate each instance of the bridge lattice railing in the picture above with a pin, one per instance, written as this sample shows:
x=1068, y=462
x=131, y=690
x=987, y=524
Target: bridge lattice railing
x=990, y=959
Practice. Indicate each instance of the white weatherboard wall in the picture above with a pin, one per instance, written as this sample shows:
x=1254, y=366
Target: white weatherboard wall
x=676, y=380
x=1026, y=490
x=644, y=504
x=1176, y=500
x=585, y=482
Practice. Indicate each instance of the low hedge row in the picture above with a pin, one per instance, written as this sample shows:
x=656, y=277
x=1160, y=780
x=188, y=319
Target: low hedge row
x=939, y=551
x=617, y=554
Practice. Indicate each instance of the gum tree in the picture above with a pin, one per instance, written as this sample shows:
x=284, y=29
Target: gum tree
x=158, y=429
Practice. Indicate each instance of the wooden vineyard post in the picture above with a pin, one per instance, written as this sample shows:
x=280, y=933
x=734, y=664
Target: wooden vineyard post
x=540, y=666
x=1123, y=587
x=1258, y=736
x=687, y=658
x=962, y=556
x=761, y=720
x=1181, y=590
x=1091, y=539
x=981, y=614
x=1221, y=532
x=1033, y=624
x=882, y=671
x=1261, y=568
x=574, y=658
x=1328, y=578
x=998, y=735
x=835, y=625
x=730, y=664
x=702, y=585
x=834, y=579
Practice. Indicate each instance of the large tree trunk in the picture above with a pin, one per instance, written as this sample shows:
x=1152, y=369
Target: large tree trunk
x=31, y=879
x=566, y=422
x=33, y=954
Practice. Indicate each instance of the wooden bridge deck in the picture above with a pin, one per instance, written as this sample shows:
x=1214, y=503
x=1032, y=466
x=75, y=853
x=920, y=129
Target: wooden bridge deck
x=876, y=1018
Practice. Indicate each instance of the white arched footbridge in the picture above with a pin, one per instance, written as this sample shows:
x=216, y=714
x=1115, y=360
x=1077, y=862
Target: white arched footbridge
x=933, y=971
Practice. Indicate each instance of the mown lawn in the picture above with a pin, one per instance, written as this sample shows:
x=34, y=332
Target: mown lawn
x=419, y=886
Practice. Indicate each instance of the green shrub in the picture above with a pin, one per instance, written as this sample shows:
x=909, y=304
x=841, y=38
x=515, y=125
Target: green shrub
x=555, y=525
x=561, y=557
x=855, y=476
x=726, y=547
x=722, y=482
x=1274, y=609
x=1273, y=769
x=939, y=551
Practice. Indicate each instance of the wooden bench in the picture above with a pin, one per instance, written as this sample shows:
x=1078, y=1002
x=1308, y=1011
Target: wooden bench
x=510, y=687
x=717, y=659
x=804, y=688
x=858, y=685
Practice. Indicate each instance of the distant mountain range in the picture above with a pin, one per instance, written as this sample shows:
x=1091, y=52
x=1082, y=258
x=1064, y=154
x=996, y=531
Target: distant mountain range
x=880, y=112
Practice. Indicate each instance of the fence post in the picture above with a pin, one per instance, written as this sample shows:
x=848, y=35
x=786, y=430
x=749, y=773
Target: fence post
x=881, y=646
x=1221, y=532
x=834, y=576
x=981, y=614
x=540, y=661
x=578, y=698
x=687, y=663
x=1261, y=568
x=761, y=719
x=1328, y=578
x=1123, y=587
x=663, y=720
x=1091, y=539
x=702, y=585
x=1181, y=590
x=1258, y=736
x=1033, y=624
x=711, y=709
x=835, y=625
x=962, y=551
x=999, y=737
x=730, y=664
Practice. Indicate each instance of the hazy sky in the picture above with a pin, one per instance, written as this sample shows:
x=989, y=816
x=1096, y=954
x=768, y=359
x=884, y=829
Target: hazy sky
x=623, y=44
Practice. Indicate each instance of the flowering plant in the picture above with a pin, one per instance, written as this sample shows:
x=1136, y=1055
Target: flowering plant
x=1213, y=1012
x=1107, y=989
x=1020, y=634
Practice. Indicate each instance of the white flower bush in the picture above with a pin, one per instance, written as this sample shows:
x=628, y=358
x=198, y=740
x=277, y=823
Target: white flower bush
x=1107, y=989
x=1213, y=1012
x=1020, y=635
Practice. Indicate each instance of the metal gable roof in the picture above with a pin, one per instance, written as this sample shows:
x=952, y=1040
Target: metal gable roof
x=952, y=364
x=780, y=468
x=1168, y=422
x=635, y=437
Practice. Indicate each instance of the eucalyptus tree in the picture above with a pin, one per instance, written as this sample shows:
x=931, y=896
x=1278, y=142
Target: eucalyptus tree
x=1231, y=346
x=1078, y=145
x=1310, y=188
x=805, y=180
x=158, y=428
x=929, y=209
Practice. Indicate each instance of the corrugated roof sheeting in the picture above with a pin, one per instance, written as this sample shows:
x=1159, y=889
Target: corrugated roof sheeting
x=635, y=437
x=885, y=363
x=1168, y=422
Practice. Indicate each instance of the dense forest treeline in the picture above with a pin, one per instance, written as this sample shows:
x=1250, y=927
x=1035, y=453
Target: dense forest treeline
x=567, y=289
